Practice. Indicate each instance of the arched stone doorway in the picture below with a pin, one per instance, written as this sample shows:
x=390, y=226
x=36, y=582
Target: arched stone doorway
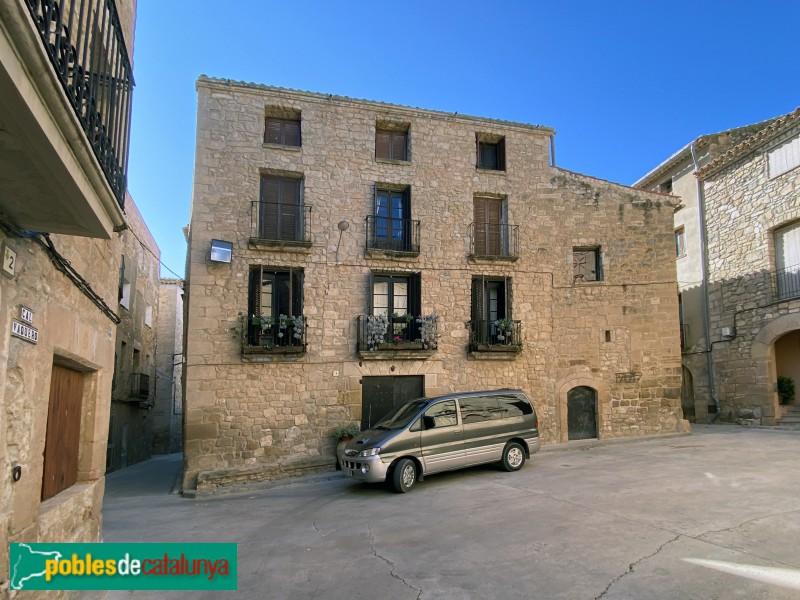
x=765, y=350
x=687, y=395
x=582, y=413
x=787, y=365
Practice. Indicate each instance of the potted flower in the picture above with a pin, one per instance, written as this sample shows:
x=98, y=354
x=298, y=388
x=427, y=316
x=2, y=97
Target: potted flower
x=377, y=326
x=504, y=328
x=344, y=434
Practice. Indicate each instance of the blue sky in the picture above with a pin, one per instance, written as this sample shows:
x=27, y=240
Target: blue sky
x=624, y=83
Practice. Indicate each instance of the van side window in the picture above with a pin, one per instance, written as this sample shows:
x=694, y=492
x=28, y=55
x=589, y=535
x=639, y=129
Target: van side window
x=512, y=406
x=440, y=415
x=477, y=410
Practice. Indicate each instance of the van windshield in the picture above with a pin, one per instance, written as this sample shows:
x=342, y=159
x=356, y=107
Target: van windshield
x=401, y=416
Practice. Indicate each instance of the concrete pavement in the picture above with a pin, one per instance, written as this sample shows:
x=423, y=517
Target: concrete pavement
x=589, y=521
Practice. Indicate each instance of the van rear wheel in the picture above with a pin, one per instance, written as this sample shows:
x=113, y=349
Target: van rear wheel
x=405, y=475
x=513, y=457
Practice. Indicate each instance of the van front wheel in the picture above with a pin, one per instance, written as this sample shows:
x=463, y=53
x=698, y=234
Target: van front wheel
x=405, y=475
x=513, y=457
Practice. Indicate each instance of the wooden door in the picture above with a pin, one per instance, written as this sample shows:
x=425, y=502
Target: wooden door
x=62, y=440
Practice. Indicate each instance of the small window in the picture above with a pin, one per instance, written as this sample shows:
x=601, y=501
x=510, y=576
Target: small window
x=666, y=186
x=680, y=242
x=282, y=127
x=148, y=316
x=125, y=284
x=491, y=152
x=586, y=265
x=784, y=157
x=391, y=142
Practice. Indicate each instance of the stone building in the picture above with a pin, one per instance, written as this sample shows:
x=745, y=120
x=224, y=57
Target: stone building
x=64, y=121
x=133, y=394
x=345, y=255
x=737, y=250
x=168, y=409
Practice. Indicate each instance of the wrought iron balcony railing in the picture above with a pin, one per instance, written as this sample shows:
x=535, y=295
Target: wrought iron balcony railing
x=140, y=385
x=500, y=334
x=277, y=222
x=394, y=235
x=786, y=283
x=494, y=239
x=281, y=334
x=406, y=332
x=86, y=46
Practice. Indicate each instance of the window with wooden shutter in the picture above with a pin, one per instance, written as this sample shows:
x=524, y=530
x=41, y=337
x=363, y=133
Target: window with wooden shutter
x=284, y=132
x=586, y=265
x=488, y=217
x=280, y=209
x=391, y=144
x=491, y=150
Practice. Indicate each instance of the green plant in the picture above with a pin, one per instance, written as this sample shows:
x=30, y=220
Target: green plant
x=350, y=430
x=785, y=389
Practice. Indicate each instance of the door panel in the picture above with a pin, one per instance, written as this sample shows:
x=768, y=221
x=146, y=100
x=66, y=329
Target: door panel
x=379, y=395
x=62, y=440
x=442, y=438
x=582, y=413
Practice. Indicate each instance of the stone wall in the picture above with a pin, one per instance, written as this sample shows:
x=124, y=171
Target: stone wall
x=744, y=207
x=73, y=332
x=167, y=427
x=131, y=424
x=618, y=336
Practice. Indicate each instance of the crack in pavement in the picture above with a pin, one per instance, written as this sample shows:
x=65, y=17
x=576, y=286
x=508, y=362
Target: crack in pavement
x=632, y=566
x=391, y=565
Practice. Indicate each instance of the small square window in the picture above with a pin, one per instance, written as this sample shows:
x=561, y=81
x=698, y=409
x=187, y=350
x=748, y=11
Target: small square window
x=391, y=142
x=680, y=242
x=491, y=152
x=282, y=126
x=586, y=265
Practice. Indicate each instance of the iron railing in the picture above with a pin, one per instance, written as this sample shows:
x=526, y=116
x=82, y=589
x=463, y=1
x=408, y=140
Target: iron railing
x=499, y=334
x=281, y=333
x=140, y=385
x=786, y=283
x=408, y=332
x=275, y=221
x=86, y=46
x=397, y=235
x=494, y=240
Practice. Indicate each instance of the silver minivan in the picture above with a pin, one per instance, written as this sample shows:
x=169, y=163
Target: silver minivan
x=430, y=435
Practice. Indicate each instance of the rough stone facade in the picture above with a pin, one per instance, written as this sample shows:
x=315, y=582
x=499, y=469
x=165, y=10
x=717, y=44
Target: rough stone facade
x=255, y=417
x=749, y=310
x=168, y=409
x=130, y=429
x=735, y=252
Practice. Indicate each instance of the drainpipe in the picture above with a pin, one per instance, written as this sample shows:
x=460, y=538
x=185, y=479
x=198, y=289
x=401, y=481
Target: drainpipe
x=701, y=205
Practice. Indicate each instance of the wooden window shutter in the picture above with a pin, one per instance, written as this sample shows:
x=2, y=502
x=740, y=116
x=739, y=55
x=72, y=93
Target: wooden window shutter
x=399, y=145
x=477, y=299
x=501, y=155
x=297, y=293
x=291, y=133
x=509, y=298
x=272, y=131
x=269, y=208
x=383, y=141
x=121, y=279
x=255, y=291
x=289, y=207
x=370, y=293
x=415, y=294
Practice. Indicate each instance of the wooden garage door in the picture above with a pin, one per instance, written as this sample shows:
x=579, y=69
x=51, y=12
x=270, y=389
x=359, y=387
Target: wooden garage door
x=63, y=431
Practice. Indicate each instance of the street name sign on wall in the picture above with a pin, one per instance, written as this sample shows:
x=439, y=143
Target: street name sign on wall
x=23, y=328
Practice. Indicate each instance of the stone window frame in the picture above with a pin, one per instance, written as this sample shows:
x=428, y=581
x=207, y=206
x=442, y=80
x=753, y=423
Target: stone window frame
x=578, y=277
x=394, y=129
x=487, y=140
x=288, y=122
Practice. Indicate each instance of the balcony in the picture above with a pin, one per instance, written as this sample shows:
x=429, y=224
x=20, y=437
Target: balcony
x=140, y=386
x=276, y=224
x=494, y=241
x=397, y=337
x=392, y=237
x=273, y=335
x=498, y=339
x=786, y=283
x=65, y=98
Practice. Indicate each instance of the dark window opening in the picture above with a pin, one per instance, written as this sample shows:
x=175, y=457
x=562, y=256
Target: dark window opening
x=491, y=153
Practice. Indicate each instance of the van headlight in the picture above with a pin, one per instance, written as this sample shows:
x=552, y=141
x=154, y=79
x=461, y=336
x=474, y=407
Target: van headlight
x=370, y=452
